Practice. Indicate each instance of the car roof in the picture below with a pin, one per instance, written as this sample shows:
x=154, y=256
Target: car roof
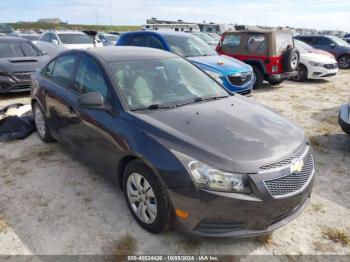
x=12, y=39
x=65, y=32
x=258, y=30
x=160, y=32
x=115, y=53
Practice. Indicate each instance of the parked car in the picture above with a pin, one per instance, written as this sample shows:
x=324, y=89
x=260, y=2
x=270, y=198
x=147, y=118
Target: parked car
x=206, y=38
x=19, y=58
x=344, y=118
x=234, y=75
x=31, y=37
x=185, y=152
x=108, y=39
x=314, y=65
x=6, y=29
x=271, y=53
x=336, y=46
x=55, y=41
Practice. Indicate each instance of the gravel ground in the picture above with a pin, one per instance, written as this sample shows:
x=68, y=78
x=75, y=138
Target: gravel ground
x=52, y=203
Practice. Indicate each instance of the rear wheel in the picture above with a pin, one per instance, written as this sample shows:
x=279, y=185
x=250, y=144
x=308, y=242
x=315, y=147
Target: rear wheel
x=302, y=73
x=259, y=77
x=344, y=61
x=41, y=124
x=146, y=198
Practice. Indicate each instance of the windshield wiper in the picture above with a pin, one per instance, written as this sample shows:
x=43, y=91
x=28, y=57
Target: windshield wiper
x=201, y=99
x=152, y=107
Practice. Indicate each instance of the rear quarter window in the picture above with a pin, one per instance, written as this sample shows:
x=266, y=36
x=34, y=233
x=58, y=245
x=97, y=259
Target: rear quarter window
x=137, y=40
x=256, y=44
x=283, y=41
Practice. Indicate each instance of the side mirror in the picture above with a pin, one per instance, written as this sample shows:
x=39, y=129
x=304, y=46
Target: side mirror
x=332, y=45
x=54, y=41
x=93, y=101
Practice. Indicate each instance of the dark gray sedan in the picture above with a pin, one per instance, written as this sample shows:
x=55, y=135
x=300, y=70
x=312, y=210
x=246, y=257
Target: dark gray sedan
x=186, y=154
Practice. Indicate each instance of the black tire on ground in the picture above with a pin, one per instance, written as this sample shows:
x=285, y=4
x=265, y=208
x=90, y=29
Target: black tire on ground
x=259, y=77
x=45, y=134
x=276, y=82
x=291, y=59
x=302, y=74
x=163, y=218
x=344, y=61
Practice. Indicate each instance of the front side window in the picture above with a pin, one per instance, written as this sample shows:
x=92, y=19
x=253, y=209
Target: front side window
x=256, y=44
x=231, y=43
x=63, y=69
x=189, y=46
x=89, y=78
x=17, y=49
x=49, y=69
x=154, y=42
x=163, y=82
x=75, y=39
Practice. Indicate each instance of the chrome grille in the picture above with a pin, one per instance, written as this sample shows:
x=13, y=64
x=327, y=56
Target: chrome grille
x=286, y=161
x=240, y=79
x=22, y=76
x=291, y=183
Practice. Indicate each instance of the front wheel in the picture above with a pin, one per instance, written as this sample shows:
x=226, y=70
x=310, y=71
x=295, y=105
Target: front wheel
x=41, y=124
x=146, y=198
x=344, y=62
x=302, y=73
x=259, y=77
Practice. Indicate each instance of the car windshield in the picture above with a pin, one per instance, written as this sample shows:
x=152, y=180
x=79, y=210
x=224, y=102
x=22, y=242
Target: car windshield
x=339, y=41
x=189, y=46
x=216, y=37
x=17, y=49
x=206, y=38
x=75, y=39
x=112, y=38
x=157, y=83
x=302, y=47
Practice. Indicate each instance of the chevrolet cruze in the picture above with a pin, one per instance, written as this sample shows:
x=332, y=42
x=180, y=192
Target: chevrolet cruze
x=185, y=152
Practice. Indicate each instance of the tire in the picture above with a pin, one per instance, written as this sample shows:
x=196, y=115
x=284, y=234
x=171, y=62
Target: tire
x=291, y=59
x=41, y=124
x=259, y=77
x=344, y=61
x=302, y=74
x=276, y=82
x=156, y=215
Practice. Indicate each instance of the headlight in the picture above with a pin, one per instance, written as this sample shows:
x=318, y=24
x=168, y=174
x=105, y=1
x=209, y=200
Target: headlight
x=205, y=176
x=216, y=76
x=315, y=64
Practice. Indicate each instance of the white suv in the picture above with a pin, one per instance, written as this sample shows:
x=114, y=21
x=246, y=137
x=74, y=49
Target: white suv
x=53, y=42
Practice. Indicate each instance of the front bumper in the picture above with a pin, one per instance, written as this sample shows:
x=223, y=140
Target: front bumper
x=242, y=89
x=282, y=76
x=321, y=72
x=344, y=118
x=12, y=84
x=224, y=214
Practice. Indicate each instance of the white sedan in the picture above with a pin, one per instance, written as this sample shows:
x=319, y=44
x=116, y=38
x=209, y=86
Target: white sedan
x=314, y=64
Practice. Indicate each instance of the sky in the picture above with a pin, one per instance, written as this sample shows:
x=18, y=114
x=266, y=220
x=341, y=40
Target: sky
x=318, y=14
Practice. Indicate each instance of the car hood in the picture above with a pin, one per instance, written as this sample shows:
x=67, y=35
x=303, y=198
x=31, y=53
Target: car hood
x=232, y=134
x=78, y=46
x=317, y=57
x=23, y=64
x=220, y=64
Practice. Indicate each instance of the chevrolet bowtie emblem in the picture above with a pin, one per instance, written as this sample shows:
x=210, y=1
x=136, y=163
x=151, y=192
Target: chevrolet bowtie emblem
x=297, y=167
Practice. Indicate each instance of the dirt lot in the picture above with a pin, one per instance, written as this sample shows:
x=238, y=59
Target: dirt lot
x=51, y=203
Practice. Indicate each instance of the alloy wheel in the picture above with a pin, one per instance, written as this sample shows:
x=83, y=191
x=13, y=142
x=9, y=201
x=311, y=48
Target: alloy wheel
x=344, y=62
x=294, y=60
x=141, y=198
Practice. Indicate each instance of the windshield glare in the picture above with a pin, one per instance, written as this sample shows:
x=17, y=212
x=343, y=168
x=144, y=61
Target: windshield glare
x=302, y=47
x=206, y=38
x=17, y=49
x=75, y=39
x=189, y=46
x=163, y=82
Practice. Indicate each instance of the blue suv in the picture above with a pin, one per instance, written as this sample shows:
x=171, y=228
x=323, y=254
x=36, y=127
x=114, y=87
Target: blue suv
x=234, y=75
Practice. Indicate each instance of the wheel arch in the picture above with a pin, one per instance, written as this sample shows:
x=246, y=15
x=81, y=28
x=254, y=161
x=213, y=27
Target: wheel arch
x=256, y=63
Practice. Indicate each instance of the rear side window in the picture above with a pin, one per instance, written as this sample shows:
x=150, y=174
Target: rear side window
x=322, y=41
x=283, y=41
x=89, y=77
x=63, y=69
x=154, y=42
x=231, y=43
x=138, y=40
x=256, y=44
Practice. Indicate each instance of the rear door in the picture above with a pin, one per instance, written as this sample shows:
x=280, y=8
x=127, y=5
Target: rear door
x=324, y=43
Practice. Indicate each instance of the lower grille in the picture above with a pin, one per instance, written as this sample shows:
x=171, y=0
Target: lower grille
x=291, y=183
x=209, y=226
x=22, y=76
x=240, y=79
x=331, y=66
